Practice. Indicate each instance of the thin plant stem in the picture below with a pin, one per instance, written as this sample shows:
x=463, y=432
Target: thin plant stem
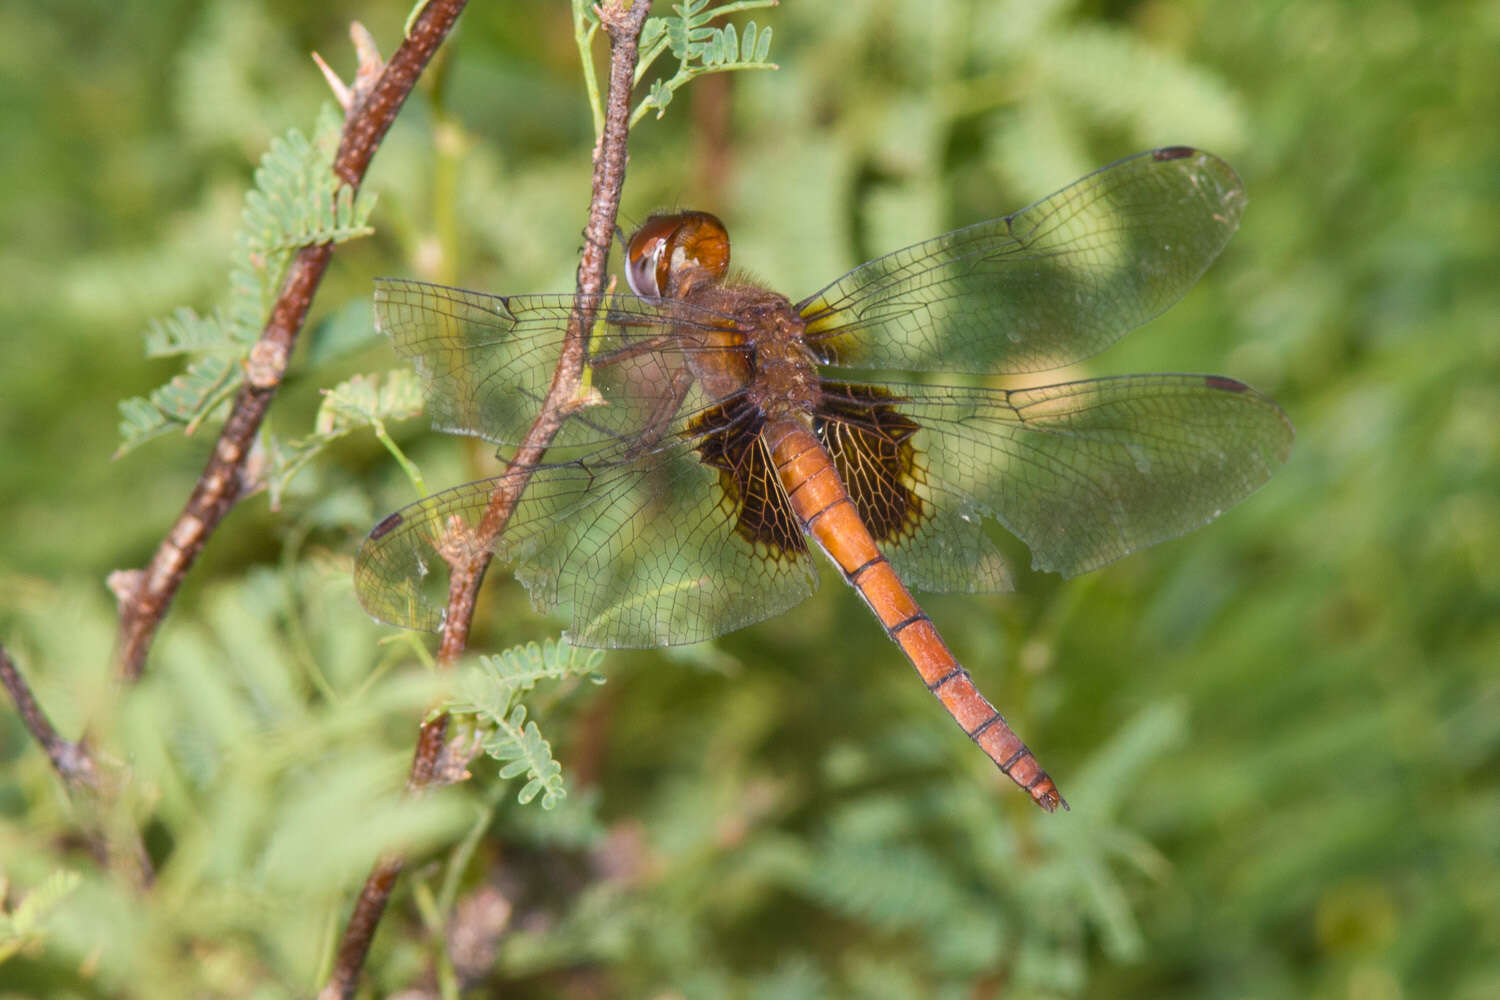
x=145, y=595
x=584, y=30
x=75, y=765
x=414, y=474
x=622, y=21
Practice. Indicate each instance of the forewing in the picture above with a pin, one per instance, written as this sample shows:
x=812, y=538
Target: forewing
x=1052, y=284
x=487, y=361
x=635, y=552
x=1086, y=472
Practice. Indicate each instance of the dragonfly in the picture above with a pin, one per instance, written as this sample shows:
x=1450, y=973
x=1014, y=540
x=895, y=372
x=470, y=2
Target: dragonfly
x=733, y=431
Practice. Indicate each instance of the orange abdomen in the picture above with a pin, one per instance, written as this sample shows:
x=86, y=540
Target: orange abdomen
x=822, y=504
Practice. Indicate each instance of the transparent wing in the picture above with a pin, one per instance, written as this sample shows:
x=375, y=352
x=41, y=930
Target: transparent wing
x=487, y=360
x=1084, y=473
x=638, y=552
x=932, y=534
x=1052, y=284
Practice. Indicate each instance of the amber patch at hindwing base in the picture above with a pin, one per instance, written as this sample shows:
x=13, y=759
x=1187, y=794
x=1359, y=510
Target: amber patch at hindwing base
x=870, y=443
x=868, y=440
x=729, y=441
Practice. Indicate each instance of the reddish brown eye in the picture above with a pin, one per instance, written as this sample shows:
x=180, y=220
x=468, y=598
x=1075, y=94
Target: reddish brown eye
x=644, y=253
x=672, y=253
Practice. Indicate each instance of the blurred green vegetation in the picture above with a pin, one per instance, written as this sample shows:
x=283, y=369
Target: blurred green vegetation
x=1280, y=734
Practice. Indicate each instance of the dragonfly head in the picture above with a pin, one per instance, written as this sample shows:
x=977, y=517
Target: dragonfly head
x=671, y=254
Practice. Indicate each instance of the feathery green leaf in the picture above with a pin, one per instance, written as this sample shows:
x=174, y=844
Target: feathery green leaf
x=699, y=48
x=25, y=923
x=297, y=201
x=361, y=401
x=487, y=698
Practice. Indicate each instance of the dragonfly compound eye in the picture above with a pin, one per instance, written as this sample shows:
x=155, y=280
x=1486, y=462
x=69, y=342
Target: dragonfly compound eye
x=671, y=254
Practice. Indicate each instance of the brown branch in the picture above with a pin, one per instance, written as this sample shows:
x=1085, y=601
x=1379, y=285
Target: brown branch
x=468, y=562
x=466, y=574
x=72, y=761
x=145, y=595
x=75, y=765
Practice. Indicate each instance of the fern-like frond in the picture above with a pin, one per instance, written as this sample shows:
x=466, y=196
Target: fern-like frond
x=184, y=402
x=24, y=924
x=140, y=421
x=898, y=888
x=361, y=401
x=487, y=698
x=699, y=48
x=184, y=332
x=887, y=886
x=519, y=746
x=297, y=201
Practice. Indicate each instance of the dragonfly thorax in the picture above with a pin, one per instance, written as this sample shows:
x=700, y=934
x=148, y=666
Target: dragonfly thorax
x=778, y=374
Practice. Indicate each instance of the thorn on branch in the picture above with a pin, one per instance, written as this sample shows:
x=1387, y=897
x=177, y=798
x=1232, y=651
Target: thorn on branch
x=341, y=93
x=366, y=73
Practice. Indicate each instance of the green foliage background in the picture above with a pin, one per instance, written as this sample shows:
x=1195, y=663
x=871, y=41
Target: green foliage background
x=1280, y=735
